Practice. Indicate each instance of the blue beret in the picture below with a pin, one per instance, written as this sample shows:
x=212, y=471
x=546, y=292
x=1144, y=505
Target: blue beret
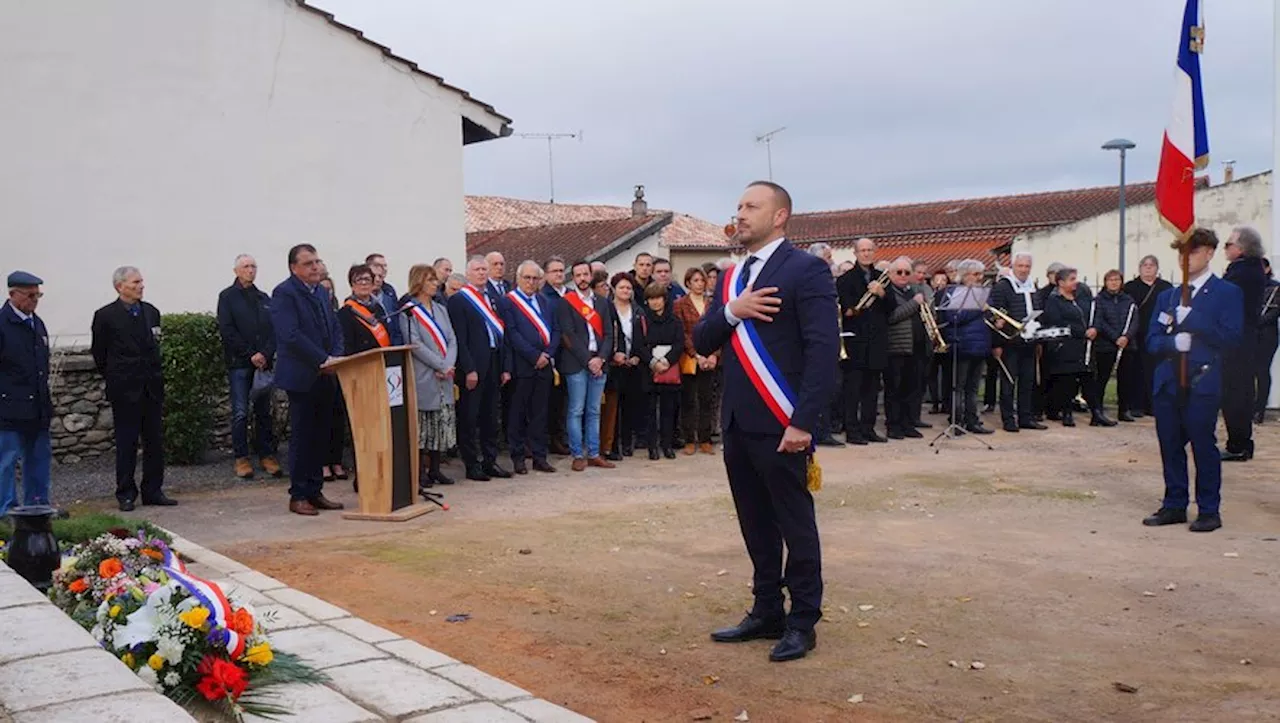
x=22, y=278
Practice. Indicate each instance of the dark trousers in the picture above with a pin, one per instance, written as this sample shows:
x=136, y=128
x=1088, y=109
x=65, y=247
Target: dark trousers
x=478, y=418
x=1015, y=399
x=1267, y=345
x=921, y=360
x=337, y=444
x=558, y=400
x=310, y=424
x=989, y=389
x=774, y=506
x=946, y=377
x=1063, y=388
x=900, y=384
x=1133, y=381
x=629, y=387
x=1103, y=363
x=964, y=405
x=696, y=407
x=527, y=419
x=1237, y=397
x=861, y=386
x=663, y=400
x=1176, y=425
x=143, y=419
x=833, y=422
x=240, y=381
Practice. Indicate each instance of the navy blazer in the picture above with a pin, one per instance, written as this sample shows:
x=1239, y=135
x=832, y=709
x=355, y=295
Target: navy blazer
x=474, y=352
x=575, y=349
x=803, y=340
x=1216, y=325
x=524, y=338
x=25, y=401
x=307, y=333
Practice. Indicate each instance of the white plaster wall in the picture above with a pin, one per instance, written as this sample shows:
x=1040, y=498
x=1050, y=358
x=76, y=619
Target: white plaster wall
x=173, y=134
x=626, y=259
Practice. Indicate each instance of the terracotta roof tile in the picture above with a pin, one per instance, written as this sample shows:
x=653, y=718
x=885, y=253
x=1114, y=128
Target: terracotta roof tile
x=583, y=240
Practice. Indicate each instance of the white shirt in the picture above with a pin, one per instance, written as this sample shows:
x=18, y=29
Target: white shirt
x=592, y=346
x=1198, y=282
x=21, y=315
x=762, y=258
x=624, y=319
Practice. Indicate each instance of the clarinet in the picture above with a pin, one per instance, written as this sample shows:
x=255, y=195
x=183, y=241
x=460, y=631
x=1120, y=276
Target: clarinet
x=1088, y=346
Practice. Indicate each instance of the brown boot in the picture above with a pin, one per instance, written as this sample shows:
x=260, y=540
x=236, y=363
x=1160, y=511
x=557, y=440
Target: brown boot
x=320, y=502
x=690, y=448
x=706, y=448
x=601, y=462
x=244, y=468
x=579, y=464
x=271, y=467
x=302, y=507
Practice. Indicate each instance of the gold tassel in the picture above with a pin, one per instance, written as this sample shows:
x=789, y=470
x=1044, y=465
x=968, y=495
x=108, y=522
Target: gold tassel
x=555, y=377
x=814, y=473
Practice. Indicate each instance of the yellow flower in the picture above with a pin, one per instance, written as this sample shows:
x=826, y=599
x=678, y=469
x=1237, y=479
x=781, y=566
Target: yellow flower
x=195, y=617
x=260, y=655
x=155, y=662
x=115, y=610
x=127, y=659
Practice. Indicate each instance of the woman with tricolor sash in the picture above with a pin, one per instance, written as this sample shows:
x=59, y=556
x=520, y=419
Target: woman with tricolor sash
x=426, y=327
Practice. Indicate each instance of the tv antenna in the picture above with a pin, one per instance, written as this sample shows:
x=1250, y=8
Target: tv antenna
x=551, y=138
x=767, y=140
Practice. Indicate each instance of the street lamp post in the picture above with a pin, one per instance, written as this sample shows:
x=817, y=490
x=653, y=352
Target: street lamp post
x=1122, y=145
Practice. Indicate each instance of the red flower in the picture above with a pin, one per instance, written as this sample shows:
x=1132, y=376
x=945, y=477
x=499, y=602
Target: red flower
x=78, y=585
x=241, y=621
x=222, y=679
x=109, y=568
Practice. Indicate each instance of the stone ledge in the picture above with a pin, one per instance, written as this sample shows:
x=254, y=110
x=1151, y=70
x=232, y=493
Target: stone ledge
x=37, y=630
x=416, y=653
x=324, y=647
x=316, y=704
x=485, y=712
x=363, y=630
x=396, y=689
x=64, y=678
x=309, y=605
x=15, y=591
x=125, y=708
x=481, y=682
x=541, y=711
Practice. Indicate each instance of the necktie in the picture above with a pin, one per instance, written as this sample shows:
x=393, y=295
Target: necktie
x=746, y=269
x=135, y=310
x=31, y=322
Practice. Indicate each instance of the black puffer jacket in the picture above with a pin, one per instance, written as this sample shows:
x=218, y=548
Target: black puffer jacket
x=1110, y=317
x=1066, y=354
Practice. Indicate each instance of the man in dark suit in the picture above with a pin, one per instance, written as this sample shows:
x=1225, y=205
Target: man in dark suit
x=553, y=290
x=385, y=294
x=1244, y=250
x=586, y=344
x=779, y=323
x=533, y=336
x=1204, y=332
x=866, y=340
x=126, y=351
x=481, y=372
x=495, y=286
x=307, y=337
x=249, y=346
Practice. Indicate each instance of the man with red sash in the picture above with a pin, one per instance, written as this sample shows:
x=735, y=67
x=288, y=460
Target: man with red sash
x=480, y=373
x=533, y=336
x=774, y=321
x=586, y=343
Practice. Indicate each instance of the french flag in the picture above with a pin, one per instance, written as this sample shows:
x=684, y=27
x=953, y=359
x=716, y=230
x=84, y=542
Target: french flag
x=1186, y=141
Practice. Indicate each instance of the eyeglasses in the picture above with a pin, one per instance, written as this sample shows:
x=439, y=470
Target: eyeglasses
x=900, y=272
x=29, y=294
x=362, y=280
x=529, y=277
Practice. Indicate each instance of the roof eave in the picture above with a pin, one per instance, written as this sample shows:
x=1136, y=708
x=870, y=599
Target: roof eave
x=629, y=239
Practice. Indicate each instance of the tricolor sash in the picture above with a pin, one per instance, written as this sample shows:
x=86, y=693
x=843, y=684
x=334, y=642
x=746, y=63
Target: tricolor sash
x=587, y=311
x=756, y=361
x=531, y=313
x=209, y=595
x=481, y=304
x=429, y=324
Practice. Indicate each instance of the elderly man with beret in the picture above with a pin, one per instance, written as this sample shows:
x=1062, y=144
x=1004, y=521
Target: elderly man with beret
x=26, y=407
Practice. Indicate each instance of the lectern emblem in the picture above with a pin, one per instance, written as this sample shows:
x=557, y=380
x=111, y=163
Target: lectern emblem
x=395, y=385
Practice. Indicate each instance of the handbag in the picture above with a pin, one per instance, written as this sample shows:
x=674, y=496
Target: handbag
x=263, y=382
x=669, y=377
x=688, y=365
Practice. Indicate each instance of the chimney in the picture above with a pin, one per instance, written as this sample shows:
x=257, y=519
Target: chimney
x=1228, y=171
x=639, y=207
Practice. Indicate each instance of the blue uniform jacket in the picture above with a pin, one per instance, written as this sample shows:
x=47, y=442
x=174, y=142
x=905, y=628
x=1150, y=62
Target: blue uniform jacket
x=25, y=402
x=307, y=333
x=803, y=340
x=1215, y=324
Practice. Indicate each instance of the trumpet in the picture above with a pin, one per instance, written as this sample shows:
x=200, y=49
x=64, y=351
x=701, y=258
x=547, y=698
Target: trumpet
x=1002, y=315
x=931, y=328
x=868, y=298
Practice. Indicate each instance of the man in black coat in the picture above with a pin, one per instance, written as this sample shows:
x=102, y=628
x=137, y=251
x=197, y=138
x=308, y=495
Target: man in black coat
x=866, y=340
x=1137, y=366
x=126, y=351
x=1244, y=250
x=1016, y=295
x=249, y=345
x=480, y=373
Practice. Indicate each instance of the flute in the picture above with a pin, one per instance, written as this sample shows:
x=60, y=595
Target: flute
x=1088, y=346
x=1128, y=318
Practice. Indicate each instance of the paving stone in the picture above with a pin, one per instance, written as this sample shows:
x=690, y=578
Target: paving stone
x=541, y=711
x=281, y=617
x=315, y=704
x=38, y=630
x=126, y=708
x=14, y=590
x=324, y=647
x=396, y=689
x=483, y=683
x=364, y=630
x=416, y=653
x=64, y=677
x=257, y=580
x=309, y=605
x=205, y=556
x=474, y=713
x=242, y=595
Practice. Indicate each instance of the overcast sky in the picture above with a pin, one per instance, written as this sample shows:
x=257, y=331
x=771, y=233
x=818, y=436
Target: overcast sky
x=884, y=101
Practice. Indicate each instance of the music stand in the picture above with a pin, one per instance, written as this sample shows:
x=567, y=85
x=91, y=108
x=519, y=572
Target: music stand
x=959, y=298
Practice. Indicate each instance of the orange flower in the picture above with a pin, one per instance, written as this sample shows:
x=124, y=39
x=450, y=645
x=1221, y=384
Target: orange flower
x=78, y=585
x=241, y=621
x=109, y=568
x=153, y=554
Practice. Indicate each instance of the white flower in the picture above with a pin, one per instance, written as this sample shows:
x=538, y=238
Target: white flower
x=145, y=622
x=98, y=633
x=172, y=679
x=149, y=677
x=170, y=648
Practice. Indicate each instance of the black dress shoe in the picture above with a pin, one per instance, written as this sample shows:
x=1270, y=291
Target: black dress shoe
x=1068, y=420
x=856, y=439
x=654, y=454
x=125, y=505
x=921, y=425
x=519, y=468
x=477, y=474
x=1125, y=417
x=1166, y=516
x=441, y=478
x=795, y=644
x=613, y=457
x=752, y=628
x=1031, y=425
x=1053, y=416
x=628, y=451
x=871, y=436
x=542, y=466
x=669, y=453
x=829, y=442
x=1099, y=419
x=1010, y=427
x=160, y=500
x=497, y=472
x=1137, y=413
x=911, y=433
x=1206, y=523
x=977, y=429
x=1243, y=456
x=893, y=434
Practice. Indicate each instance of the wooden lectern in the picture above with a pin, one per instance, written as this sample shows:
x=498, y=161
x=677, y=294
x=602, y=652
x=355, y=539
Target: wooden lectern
x=382, y=404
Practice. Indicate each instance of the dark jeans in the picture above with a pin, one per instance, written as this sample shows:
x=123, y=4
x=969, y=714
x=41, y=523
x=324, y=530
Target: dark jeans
x=964, y=407
x=1266, y=351
x=133, y=421
x=1020, y=359
x=310, y=420
x=663, y=400
x=861, y=386
x=1237, y=397
x=696, y=407
x=899, y=389
x=264, y=438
